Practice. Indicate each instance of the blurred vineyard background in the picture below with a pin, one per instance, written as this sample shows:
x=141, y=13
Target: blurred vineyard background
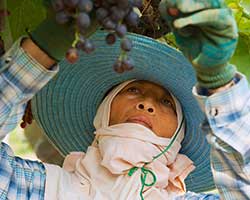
x=20, y=144
x=151, y=25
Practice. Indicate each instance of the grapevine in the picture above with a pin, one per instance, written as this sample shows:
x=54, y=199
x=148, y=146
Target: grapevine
x=150, y=24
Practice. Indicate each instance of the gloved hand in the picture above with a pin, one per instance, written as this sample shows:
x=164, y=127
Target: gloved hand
x=53, y=38
x=206, y=33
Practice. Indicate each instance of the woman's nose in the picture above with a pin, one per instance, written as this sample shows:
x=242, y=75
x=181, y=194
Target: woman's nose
x=146, y=106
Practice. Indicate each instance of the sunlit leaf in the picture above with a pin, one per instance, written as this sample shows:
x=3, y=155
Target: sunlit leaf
x=241, y=57
x=246, y=5
x=24, y=14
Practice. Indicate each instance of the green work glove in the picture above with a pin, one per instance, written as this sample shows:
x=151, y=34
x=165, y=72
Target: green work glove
x=53, y=38
x=206, y=33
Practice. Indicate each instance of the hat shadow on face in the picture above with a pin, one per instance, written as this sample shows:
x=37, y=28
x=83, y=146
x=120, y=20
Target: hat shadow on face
x=66, y=107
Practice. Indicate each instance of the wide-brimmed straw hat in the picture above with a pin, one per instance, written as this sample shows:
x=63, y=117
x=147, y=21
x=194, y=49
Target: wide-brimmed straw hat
x=66, y=107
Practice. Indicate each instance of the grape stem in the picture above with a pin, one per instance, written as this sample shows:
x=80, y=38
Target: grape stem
x=123, y=55
x=146, y=7
x=76, y=39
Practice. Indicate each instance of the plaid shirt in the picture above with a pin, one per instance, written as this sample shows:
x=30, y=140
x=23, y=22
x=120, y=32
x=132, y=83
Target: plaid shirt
x=228, y=131
x=228, y=114
x=20, y=78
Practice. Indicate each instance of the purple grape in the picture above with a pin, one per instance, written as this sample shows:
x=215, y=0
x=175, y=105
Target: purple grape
x=82, y=38
x=72, y=55
x=57, y=5
x=117, y=14
x=62, y=17
x=71, y=3
x=88, y=47
x=126, y=44
x=118, y=67
x=123, y=4
x=128, y=64
x=137, y=3
x=80, y=42
x=108, y=24
x=97, y=3
x=85, y=5
x=132, y=18
x=121, y=30
x=83, y=20
x=80, y=45
x=101, y=13
x=110, y=38
x=106, y=5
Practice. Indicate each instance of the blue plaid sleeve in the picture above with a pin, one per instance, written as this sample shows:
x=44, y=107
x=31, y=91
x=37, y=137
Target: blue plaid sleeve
x=20, y=179
x=195, y=196
x=227, y=127
x=20, y=78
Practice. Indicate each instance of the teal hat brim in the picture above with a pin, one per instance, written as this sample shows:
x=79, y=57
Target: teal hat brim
x=66, y=107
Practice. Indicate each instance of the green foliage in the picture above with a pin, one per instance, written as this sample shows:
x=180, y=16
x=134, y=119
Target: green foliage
x=24, y=14
x=241, y=58
x=20, y=144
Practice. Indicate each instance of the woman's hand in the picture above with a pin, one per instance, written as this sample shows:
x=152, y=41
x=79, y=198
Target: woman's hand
x=206, y=33
x=51, y=37
x=55, y=39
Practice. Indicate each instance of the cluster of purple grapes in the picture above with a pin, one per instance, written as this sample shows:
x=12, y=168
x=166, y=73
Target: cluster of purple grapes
x=68, y=11
x=112, y=15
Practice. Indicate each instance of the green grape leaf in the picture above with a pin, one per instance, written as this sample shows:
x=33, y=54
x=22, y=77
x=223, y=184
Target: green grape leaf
x=246, y=5
x=24, y=14
x=241, y=56
x=168, y=39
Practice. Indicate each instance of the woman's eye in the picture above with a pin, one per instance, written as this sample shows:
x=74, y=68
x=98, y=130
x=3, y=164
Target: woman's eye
x=166, y=102
x=133, y=89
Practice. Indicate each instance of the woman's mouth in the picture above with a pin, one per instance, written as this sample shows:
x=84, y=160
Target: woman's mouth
x=140, y=119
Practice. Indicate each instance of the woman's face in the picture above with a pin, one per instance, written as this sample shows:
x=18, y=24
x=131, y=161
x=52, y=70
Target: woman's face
x=145, y=103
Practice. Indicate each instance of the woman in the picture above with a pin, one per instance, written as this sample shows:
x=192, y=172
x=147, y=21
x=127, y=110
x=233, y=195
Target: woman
x=65, y=109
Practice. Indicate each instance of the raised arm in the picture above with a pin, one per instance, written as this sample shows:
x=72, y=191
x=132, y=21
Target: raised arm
x=25, y=70
x=206, y=33
x=29, y=65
